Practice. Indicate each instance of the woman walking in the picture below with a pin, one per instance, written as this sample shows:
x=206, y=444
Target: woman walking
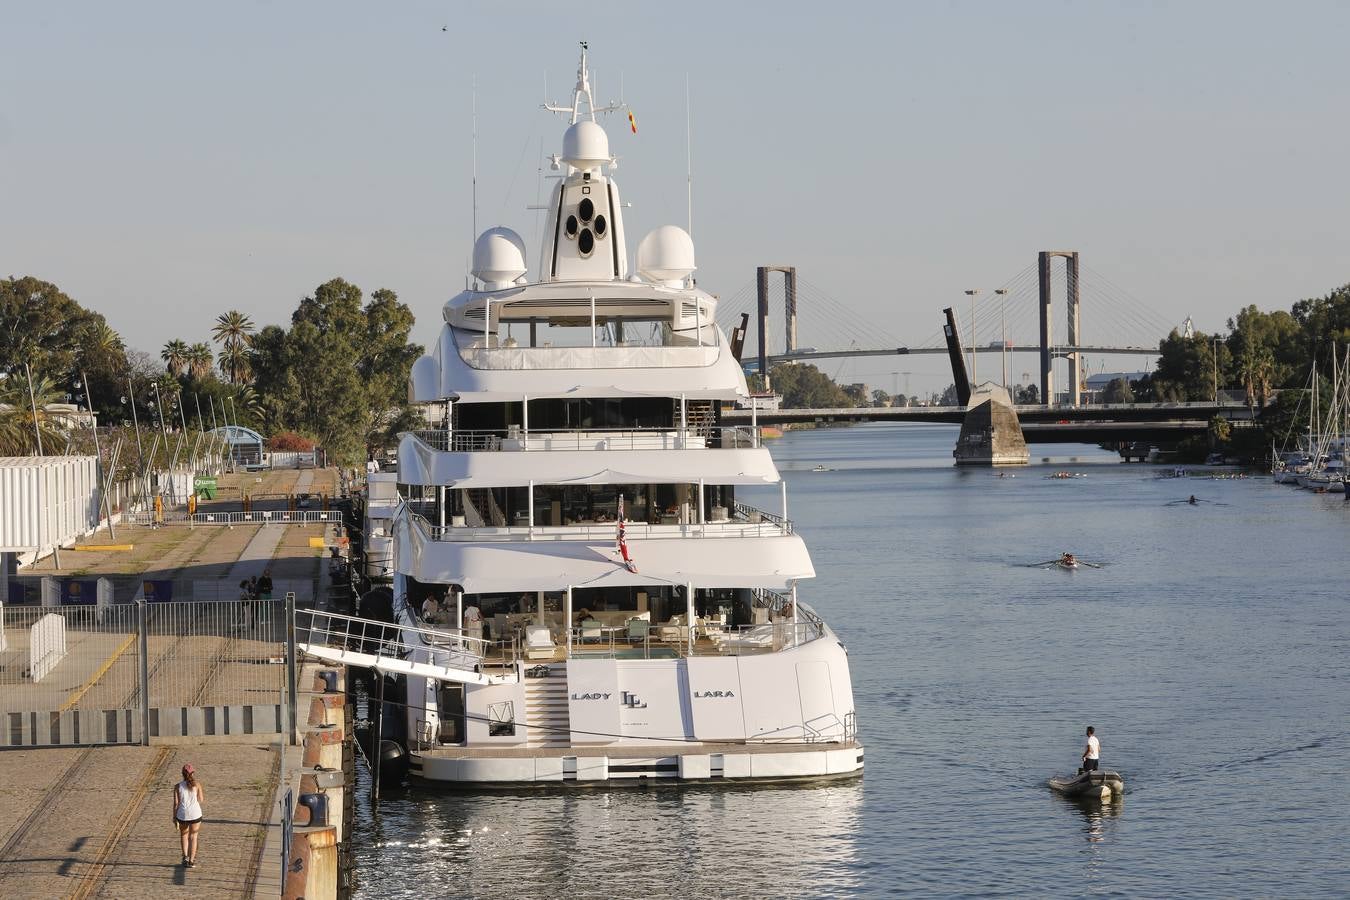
x=187, y=813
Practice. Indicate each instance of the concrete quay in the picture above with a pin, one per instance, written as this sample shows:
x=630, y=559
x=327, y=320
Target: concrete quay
x=95, y=821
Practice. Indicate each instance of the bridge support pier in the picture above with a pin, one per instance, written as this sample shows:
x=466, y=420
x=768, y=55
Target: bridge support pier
x=991, y=434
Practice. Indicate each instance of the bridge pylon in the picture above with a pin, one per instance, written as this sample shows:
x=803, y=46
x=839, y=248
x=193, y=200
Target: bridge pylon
x=1047, y=329
x=790, y=308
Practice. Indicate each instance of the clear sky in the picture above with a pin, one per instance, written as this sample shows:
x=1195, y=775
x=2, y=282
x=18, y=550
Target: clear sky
x=164, y=162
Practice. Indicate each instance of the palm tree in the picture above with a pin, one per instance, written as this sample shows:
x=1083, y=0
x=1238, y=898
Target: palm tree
x=234, y=363
x=105, y=340
x=199, y=359
x=234, y=332
x=175, y=354
x=17, y=437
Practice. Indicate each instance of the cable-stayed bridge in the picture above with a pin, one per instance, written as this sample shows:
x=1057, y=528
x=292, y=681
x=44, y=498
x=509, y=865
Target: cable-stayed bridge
x=1095, y=316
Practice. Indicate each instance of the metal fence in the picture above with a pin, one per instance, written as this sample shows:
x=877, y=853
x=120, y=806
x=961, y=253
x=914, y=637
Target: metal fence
x=136, y=671
x=256, y=517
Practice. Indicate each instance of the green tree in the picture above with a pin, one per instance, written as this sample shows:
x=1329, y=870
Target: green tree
x=233, y=331
x=806, y=387
x=1187, y=367
x=18, y=436
x=339, y=375
x=41, y=326
x=1118, y=391
x=175, y=355
x=199, y=359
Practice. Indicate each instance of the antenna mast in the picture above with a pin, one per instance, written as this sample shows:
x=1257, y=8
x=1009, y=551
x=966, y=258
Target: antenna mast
x=688, y=156
x=473, y=235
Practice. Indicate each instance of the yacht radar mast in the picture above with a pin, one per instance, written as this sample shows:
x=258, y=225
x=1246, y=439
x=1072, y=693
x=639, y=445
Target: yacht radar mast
x=583, y=89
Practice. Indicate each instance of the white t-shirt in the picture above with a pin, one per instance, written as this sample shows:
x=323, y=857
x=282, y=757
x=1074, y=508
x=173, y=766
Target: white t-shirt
x=472, y=614
x=1093, y=747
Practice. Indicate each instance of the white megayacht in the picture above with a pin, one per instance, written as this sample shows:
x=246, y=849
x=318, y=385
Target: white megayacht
x=575, y=490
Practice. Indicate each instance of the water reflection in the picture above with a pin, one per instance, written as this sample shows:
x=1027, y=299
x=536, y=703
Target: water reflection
x=1097, y=815
x=666, y=841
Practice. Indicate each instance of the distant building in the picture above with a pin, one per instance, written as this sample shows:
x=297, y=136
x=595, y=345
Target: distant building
x=1096, y=384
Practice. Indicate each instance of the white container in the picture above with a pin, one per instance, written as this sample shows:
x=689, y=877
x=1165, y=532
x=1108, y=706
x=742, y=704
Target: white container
x=46, y=502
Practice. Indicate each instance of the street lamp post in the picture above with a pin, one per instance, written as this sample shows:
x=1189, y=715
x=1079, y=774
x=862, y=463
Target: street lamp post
x=1216, y=370
x=98, y=451
x=974, y=365
x=159, y=405
x=131, y=398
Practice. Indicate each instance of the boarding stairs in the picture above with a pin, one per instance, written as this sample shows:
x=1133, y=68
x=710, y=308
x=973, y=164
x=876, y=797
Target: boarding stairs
x=546, y=709
x=398, y=649
x=699, y=417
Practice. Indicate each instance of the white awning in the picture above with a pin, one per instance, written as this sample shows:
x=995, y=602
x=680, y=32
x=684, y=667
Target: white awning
x=546, y=565
x=420, y=464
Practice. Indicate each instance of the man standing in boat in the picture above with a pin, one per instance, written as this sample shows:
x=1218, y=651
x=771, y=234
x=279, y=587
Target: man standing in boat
x=1092, y=752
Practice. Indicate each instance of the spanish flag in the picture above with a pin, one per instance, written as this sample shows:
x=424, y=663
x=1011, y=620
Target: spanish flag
x=632, y=122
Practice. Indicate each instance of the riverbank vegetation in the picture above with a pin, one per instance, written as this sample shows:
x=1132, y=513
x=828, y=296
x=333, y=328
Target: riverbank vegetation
x=336, y=375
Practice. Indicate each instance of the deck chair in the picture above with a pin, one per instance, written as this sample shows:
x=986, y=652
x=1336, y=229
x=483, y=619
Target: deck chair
x=538, y=642
x=637, y=630
x=590, y=630
x=674, y=630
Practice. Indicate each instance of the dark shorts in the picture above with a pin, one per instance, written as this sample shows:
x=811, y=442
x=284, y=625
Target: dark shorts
x=1090, y=765
x=195, y=821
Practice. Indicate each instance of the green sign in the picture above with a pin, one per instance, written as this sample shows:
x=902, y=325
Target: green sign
x=205, y=486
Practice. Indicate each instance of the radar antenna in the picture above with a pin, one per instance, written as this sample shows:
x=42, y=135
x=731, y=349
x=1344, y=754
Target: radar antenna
x=583, y=89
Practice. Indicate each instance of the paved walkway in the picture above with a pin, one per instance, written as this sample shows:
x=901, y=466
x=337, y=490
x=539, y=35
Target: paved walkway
x=95, y=822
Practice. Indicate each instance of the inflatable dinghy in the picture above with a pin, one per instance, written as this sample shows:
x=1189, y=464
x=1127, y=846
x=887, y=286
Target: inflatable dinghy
x=1103, y=784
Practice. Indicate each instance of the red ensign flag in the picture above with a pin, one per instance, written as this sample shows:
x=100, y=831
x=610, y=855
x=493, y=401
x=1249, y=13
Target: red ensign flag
x=632, y=122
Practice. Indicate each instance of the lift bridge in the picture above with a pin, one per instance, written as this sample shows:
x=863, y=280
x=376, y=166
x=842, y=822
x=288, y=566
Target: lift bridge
x=1023, y=305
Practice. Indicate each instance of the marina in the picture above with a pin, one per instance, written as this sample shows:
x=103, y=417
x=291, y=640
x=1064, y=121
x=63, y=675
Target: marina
x=1206, y=681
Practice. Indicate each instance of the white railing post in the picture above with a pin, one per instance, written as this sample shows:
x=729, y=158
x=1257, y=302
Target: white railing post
x=783, y=492
x=703, y=529
x=689, y=618
x=684, y=424
x=530, y=508
x=567, y=619
x=525, y=424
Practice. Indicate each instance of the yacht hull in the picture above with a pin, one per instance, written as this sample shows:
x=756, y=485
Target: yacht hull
x=711, y=763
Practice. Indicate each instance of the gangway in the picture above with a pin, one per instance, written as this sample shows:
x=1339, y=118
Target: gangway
x=401, y=649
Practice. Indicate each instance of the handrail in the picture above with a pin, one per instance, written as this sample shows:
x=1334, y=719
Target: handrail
x=255, y=517
x=601, y=531
x=755, y=514
x=391, y=640
x=660, y=437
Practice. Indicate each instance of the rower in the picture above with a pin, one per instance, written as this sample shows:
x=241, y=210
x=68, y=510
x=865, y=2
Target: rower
x=1192, y=501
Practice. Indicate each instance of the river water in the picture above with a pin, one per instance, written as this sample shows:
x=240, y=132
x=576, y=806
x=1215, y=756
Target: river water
x=1210, y=651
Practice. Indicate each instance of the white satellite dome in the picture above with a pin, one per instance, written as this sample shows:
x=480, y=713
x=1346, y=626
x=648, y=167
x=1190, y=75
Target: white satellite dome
x=666, y=255
x=585, y=145
x=498, y=257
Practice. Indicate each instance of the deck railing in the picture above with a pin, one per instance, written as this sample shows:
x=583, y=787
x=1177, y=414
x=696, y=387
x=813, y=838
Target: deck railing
x=395, y=641
x=256, y=517
x=765, y=525
x=723, y=437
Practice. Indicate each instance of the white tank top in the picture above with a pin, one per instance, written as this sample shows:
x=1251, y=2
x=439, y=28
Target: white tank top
x=188, y=808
